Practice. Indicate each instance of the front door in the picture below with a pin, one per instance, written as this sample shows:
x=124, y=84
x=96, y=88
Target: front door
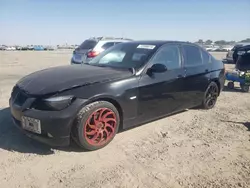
x=162, y=93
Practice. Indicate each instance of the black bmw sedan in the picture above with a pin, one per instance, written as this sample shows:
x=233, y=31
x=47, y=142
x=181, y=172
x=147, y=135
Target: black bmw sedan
x=129, y=84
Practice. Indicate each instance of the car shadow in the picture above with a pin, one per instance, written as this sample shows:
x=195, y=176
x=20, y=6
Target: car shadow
x=236, y=89
x=12, y=139
x=246, y=124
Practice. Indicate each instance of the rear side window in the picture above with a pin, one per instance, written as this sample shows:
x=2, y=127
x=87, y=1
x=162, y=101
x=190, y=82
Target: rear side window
x=205, y=56
x=192, y=55
x=107, y=45
x=88, y=44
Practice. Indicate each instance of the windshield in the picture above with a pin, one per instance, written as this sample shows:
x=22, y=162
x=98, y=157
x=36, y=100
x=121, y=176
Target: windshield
x=88, y=44
x=125, y=55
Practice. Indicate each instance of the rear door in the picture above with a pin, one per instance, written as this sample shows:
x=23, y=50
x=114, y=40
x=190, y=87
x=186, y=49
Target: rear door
x=197, y=74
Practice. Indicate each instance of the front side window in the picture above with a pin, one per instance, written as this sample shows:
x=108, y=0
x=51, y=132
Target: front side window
x=192, y=55
x=125, y=55
x=169, y=56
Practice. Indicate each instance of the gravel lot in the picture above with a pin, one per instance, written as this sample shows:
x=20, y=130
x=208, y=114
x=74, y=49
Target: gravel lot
x=195, y=148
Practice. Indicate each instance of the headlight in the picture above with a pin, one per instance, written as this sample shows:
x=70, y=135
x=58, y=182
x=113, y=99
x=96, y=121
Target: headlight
x=58, y=103
x=54, y=103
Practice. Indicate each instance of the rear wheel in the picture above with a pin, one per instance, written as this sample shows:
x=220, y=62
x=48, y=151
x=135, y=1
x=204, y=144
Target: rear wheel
x=244, y=88
x=96, y=125
x=211, y=95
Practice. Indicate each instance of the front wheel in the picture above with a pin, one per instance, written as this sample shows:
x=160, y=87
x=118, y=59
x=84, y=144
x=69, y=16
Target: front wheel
x=96, y=125
x=211, y=95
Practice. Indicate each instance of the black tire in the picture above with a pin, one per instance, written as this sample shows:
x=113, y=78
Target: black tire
x=83, y=122
x=210, y=96
x=244, y=88
x=230, y=85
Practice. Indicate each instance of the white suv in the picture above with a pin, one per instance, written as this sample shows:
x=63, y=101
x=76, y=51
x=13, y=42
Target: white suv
x=92, y=47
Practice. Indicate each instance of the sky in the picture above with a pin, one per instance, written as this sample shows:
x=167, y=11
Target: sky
x=54, y=22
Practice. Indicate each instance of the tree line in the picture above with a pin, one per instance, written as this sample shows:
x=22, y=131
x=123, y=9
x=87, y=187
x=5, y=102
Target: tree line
x=220, y=42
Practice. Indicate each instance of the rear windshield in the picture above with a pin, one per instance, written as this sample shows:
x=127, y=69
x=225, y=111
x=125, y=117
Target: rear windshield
x=236, y=46
x=125, y=55
x=88, y=44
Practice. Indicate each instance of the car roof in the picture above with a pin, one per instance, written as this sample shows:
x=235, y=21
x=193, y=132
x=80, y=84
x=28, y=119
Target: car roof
x=243, y=43
x=98, y=39
x=159, y=42
x=245, y=48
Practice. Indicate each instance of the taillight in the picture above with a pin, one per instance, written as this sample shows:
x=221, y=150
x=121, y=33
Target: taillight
x=92, y=54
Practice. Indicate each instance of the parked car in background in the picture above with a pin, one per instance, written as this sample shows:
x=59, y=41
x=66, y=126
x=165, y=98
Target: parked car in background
x=92, y=47
x=3, y=47
x=10, y=48
x=126, y=85
x=49, y=48
x=18, y=47
x=229, y=56
x=227, y=48
x=24, y=48
x=38, y=48
x=211, y=48
x=30, y=47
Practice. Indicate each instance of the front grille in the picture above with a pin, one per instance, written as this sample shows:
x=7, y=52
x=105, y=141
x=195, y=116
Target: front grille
x=19, y=96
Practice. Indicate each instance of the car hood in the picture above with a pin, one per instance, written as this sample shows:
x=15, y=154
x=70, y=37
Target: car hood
x=57, y=79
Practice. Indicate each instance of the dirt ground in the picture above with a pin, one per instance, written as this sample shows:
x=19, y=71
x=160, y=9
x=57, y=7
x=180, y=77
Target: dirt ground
x=195, y=148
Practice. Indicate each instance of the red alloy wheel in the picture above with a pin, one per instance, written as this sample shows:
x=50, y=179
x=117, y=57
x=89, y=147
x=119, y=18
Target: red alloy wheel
x=100, y=127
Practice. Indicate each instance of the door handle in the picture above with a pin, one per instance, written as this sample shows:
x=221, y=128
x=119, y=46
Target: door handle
x=180, y=76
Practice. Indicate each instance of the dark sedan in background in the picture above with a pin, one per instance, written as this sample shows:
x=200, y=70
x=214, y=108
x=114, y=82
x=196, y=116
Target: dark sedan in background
x=229, y=57
x=126, y=85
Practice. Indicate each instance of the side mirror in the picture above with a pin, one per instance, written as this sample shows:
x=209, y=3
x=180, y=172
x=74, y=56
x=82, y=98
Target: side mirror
x=158, y=68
